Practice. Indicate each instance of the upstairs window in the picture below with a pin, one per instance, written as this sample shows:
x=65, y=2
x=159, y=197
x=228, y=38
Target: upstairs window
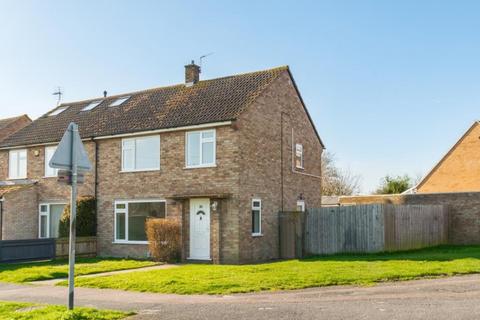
x=57, y=111
x=49, y=171
x=141, y=154
x=119, y=101
x=299, y=156
x=92, y=105
x=200, y=150
x=256, y=217
x=17, y=164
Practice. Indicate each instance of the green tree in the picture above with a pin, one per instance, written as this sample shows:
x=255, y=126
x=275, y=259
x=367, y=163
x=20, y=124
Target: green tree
x=394, y=185
x=86, y=218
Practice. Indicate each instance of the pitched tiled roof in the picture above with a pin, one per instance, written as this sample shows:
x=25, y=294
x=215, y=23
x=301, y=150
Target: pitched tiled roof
x=207, y=101
x=8, y=121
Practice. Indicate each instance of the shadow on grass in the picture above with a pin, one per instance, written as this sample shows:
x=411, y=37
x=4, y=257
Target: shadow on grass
x=439, y=253
x=12, y=266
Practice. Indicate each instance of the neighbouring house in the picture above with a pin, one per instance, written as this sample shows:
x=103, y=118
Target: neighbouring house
x=459, y=169
x=220, y=156
x=9, y=126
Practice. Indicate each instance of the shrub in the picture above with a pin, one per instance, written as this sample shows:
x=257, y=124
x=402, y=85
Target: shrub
x=163, y=239
x=86, y=218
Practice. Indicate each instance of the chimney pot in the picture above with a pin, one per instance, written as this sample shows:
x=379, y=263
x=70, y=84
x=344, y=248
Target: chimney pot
x=105, y=93
x=192, y=73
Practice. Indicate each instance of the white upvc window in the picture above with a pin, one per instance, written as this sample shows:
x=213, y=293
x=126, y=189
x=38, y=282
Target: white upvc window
x=256, y=217
x=141, y=153
x=49, y=171
x=299, y=156
x=17, y=164
x=49, y=219
x=130, y=218
x=301, y=205
x=200, y=149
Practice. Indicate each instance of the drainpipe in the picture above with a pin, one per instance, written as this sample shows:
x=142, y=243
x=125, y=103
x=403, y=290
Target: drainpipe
x=95, y=191
x=281, y=156
x=1, y=218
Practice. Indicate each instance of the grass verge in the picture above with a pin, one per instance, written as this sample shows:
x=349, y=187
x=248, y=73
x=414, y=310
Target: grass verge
x=57, y=269
x=296, y=274
x=32, y=311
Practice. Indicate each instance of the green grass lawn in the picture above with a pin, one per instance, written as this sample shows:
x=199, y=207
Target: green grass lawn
x=32, y=311
x=297, y=274
x=34, y=271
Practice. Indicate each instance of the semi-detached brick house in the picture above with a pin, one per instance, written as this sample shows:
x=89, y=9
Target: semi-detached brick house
x=221, y=156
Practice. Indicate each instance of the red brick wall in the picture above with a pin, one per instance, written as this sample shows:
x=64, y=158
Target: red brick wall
x=261, y=173
x=20, y=214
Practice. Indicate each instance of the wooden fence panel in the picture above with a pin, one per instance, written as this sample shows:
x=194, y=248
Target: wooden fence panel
x=344, y=229
x=371, y=228
x=415, y=226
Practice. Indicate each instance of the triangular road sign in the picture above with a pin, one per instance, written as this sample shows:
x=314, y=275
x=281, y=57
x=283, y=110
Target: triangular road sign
x=62, y=158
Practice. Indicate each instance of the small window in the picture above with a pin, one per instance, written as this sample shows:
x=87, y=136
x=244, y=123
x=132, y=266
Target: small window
x=119, y=101
x=140, y=154
x=57, y=111
x=299, y=156
x=301, y=206
x=200, y=150
x=17, y=164
x=256, y=217
x=49, y=171
x=130, y=218
x=92, y=105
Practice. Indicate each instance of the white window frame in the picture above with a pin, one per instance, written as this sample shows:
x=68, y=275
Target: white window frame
x=57, y=111
x=47, y=214
x=92, y=105
x=47, y=167
x=259, y=233
x=301, y=203
x=119, y=101
x=123, y=169
x=299, y=154
x=202, y=140
x=115, y=211
x=17, y=164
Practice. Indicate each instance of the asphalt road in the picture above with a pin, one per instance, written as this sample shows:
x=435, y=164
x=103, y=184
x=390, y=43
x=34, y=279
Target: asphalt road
x=447, y=298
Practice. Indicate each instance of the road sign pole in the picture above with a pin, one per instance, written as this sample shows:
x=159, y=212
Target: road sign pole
x=73, y=218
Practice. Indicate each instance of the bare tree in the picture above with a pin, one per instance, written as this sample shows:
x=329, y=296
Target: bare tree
x=336, y=181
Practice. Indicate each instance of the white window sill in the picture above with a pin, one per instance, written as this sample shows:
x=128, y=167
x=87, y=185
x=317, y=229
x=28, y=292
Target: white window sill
x=202, y=166
x=255, y=235
x=139, y=170
x=17, y=178
x=129, y=242
x=301, y=168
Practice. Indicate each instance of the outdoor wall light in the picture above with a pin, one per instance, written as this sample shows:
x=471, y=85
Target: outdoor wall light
x=36, y=153
x=214, y=205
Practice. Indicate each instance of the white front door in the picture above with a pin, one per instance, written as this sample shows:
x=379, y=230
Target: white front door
x=200, y=229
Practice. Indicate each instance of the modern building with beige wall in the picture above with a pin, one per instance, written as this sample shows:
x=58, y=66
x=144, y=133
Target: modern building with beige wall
x=221, y=156
x=459, y=169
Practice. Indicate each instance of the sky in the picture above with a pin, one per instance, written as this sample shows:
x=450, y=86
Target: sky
x=390, y=85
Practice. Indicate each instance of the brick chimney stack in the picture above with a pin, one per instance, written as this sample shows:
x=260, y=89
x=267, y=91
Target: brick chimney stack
x=192, y=73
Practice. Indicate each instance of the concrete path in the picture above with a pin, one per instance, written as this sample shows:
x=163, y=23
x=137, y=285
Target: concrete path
x=447, y=298
x=53, y=282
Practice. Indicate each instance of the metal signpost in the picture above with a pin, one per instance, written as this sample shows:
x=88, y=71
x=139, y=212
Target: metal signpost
x=72, y=157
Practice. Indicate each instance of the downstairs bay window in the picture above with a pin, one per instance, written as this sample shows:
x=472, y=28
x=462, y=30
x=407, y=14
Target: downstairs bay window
x=131, y=216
